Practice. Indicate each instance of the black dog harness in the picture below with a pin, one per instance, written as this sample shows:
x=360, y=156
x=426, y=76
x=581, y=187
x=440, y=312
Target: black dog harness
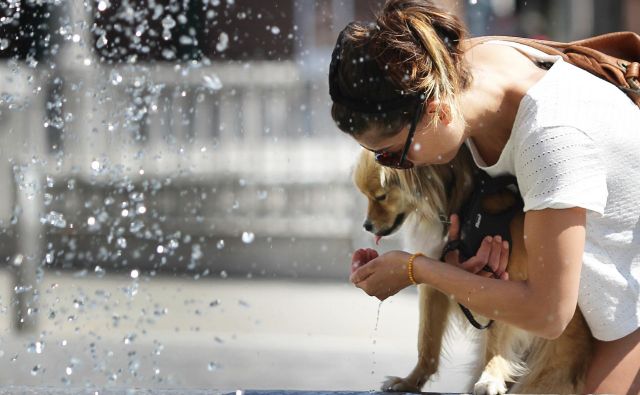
x=476, y=224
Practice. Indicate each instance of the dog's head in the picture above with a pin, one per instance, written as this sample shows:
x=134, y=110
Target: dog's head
x=431, y=193
x=388, y=205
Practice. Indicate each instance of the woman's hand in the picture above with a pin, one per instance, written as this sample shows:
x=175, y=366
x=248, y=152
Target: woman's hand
x=380, y=276
x=361, y=257
x=385, y=275
x=493, y=253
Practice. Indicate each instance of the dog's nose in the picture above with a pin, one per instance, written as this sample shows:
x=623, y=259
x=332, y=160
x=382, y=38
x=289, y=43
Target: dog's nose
x=367, y=225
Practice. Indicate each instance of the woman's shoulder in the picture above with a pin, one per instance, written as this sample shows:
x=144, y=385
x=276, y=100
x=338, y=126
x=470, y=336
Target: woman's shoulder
x=568, y=95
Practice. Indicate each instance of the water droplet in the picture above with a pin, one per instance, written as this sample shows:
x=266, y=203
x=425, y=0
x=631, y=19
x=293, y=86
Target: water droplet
x=220, y=244
x=91, y=221
x=17, y=261
x=102, y=41
x=103, y=5
x=136, y=226
x=196, y=252
x=158, y=349
x=212, y=82
x=275, y=30
x=160, y=249
x=248, y=237
x=185, y=40
x=129, y=338
x=168, y=54
x=99, y=271
x=4, y=44
x=116, y=78
x=18, y=289
x=212, y=366
x=168, y=22
x=262, y=194
x=35, y=370
x=134, y=273
x=122, y=242
x=35, y=347
x=55, y=219
x=223, y=42
x=69, y=370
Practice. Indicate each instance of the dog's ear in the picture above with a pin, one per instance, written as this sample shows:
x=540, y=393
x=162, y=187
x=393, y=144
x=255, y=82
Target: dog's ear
x=388, y=177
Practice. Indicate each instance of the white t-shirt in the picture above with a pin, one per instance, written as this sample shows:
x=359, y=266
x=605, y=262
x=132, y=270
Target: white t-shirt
x=576, y=143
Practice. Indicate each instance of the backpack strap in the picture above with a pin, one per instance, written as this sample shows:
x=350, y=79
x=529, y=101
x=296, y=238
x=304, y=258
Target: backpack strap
x=613, y=57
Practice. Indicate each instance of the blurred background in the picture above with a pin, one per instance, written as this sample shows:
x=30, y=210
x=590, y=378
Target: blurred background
x=176, y=207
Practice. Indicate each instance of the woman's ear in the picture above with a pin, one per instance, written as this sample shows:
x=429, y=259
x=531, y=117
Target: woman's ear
x=442, y=110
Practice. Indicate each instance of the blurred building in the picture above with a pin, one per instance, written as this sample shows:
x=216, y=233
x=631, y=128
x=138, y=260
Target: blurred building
x=195, y=137
x=564, y=20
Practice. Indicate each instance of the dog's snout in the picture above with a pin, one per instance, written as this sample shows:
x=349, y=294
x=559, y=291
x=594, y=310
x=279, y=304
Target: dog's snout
x=368, y=226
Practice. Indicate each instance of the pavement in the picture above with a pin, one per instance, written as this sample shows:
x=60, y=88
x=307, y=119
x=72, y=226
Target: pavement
x=188, y=335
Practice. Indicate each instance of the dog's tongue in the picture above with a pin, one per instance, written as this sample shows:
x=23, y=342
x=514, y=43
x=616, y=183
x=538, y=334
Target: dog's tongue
x=377, y=239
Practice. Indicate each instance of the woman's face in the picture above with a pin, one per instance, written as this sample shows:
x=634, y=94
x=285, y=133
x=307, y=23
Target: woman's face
x=431, y=144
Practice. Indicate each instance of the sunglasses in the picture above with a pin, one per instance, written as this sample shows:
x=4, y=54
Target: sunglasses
x=398, y=160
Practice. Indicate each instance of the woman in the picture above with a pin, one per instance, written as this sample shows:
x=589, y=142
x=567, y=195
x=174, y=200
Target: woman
x=412, y=89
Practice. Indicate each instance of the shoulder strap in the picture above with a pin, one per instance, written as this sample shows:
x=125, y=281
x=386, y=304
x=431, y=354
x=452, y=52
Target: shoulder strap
x=614, y=57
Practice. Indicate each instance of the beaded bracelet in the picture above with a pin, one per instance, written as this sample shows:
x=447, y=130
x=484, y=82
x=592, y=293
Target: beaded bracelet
x=410, y=267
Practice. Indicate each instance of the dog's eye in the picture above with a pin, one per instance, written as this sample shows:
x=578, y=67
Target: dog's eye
x=381, y=197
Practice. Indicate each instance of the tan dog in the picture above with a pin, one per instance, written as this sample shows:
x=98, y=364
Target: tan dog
x=426, y=196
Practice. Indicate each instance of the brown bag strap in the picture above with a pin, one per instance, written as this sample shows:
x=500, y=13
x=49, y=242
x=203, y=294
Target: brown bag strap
x=614, y=57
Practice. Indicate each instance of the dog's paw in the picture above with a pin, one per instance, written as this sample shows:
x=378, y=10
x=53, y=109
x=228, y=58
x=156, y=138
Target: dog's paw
x=397, y=384
x=489, y=385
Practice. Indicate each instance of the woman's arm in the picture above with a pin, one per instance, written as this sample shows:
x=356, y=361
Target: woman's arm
x=544, y=304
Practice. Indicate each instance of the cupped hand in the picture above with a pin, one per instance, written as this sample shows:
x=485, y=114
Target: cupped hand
x=493, y=253
x=381, y=276
x=361, y=257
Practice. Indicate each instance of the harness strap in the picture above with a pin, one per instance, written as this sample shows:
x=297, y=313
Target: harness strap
x=475, y=224
x=452, y=246
x=472, y=320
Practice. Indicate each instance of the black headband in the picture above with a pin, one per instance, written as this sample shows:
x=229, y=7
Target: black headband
x=364, y=105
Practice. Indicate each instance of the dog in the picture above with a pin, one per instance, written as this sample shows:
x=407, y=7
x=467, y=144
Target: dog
x=423, y=199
